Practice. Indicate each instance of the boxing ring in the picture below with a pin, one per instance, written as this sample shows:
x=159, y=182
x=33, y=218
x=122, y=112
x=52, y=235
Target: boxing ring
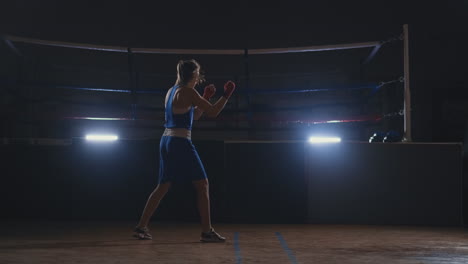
x=135, y=107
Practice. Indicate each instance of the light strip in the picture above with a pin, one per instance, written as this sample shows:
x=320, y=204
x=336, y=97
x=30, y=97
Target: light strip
x=93, y=137
x=324, y=140
x=195, y=51
x=105, y=118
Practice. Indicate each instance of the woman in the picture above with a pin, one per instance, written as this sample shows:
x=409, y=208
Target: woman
x=179, y=160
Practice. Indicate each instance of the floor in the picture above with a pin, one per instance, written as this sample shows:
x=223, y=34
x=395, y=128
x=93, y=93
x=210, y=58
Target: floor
x=99, y=242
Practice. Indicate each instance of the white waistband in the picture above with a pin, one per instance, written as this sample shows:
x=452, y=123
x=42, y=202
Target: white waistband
x=178, y=132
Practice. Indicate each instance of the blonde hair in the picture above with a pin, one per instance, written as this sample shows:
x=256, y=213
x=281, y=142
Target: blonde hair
x=185, y=71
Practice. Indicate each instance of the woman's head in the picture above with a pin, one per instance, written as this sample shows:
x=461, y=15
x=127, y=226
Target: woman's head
x=188, y=73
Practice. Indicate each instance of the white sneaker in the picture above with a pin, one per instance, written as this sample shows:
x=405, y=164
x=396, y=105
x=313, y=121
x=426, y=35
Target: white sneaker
x=142, y=233
x=212, y=237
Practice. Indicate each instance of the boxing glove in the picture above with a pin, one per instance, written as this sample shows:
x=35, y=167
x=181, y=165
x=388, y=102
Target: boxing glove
x=210, y=90
x=229, y=88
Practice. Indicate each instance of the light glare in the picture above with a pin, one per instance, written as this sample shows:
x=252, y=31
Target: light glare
x=104, y=118
x=102, y=137
x=324, y=139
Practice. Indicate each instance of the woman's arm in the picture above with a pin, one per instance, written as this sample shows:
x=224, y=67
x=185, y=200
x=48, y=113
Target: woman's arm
x=204, y=106
x=208, y=92
x=198, y=113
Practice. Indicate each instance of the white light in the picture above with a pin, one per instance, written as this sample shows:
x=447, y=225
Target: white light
x=102, y=137
x=103, y=118
x=324, y=139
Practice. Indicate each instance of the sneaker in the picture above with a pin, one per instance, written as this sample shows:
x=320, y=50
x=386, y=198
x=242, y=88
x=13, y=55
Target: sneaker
x=211, y=236
x=142, y=233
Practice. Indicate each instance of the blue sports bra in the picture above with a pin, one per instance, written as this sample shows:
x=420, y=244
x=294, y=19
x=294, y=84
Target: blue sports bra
x=177, y=120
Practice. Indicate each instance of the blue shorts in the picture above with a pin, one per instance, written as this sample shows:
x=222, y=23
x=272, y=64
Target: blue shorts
x=179, y=161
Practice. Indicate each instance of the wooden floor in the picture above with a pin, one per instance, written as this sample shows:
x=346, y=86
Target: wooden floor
x=50, y=242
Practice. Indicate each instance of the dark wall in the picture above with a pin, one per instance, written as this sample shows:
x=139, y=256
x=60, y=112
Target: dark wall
x=282, y=182
x=438, y=81
x=112, y=181
x=383, y=183
x=81, y=181
x=465, y=175
x=266, y=182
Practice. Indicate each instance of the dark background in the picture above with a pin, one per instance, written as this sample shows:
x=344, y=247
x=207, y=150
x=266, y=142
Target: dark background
x=35, y=105
x=437, y=54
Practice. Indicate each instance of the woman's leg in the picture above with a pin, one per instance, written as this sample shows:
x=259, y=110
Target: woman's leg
x=203, y=197
x=203, y=201
x=152, y=203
